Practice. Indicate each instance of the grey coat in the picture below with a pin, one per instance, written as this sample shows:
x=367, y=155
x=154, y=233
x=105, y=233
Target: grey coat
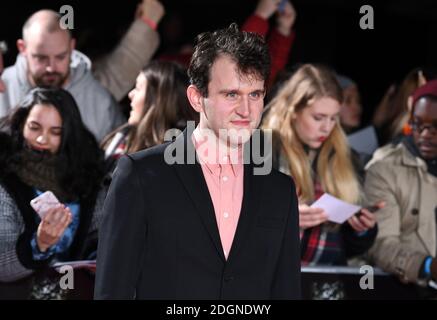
x=12, y=226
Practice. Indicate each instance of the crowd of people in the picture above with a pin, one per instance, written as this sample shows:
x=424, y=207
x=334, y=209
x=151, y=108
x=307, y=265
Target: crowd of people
x=211, y=229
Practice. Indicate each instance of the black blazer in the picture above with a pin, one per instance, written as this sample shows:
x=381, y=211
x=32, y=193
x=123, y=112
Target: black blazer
x=159, y=238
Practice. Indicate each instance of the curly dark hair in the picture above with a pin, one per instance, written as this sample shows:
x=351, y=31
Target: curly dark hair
x=80, y=169
x=247, y=49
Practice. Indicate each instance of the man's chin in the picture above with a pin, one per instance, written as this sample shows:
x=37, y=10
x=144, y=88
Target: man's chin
x=51, y=84
x=428, y=155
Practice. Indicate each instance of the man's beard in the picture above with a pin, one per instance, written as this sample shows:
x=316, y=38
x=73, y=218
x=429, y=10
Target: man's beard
x=50, y=80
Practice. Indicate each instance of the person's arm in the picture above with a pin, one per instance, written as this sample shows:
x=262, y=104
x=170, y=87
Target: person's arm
x=117, y=71
x=122, y=235
x=281, y=40
x=356, y=243
x=258, y=21
x=388, y=251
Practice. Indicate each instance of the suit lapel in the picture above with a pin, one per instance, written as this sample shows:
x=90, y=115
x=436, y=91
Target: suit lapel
x=191, y=177
x=252, y=195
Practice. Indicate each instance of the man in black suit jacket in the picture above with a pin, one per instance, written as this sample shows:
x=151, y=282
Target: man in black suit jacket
x=162, y=237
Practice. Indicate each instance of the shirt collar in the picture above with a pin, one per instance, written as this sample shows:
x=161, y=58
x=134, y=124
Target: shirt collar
x=214, y=155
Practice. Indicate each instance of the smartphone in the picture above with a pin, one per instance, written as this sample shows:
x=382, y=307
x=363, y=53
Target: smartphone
x=372, y=209
x=44, y=202
x=281, y=6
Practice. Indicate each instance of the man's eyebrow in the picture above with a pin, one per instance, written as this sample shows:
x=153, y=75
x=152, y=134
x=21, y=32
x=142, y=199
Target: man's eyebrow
x=62, y=53
x=228, y=90
x=259, y=90
x=38, y=55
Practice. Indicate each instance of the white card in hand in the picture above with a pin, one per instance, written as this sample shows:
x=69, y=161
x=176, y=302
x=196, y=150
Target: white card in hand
x=337, y=210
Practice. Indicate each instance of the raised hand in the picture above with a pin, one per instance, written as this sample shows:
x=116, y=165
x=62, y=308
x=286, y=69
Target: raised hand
x=150, y=9
x=266, y=8
x=52, y=227
x=285, y=19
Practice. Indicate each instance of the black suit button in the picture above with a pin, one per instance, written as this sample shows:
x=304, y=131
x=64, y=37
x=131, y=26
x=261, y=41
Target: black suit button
x=229, y=279
x=415, y=212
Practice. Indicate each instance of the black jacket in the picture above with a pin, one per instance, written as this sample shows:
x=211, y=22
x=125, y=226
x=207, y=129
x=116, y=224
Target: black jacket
x=159, y=238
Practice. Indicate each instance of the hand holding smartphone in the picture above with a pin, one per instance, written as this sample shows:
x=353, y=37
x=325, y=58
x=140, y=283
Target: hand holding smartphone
x=44, y=202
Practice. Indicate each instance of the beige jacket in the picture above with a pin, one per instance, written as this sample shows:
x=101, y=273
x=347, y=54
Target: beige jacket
x=407, y=225
x=118, y=70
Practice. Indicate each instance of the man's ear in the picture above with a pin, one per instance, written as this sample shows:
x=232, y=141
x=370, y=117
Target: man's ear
x=195, y=98
x=21, y=46
x=72, y=44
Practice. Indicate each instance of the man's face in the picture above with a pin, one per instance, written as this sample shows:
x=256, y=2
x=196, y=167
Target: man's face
x=2, y=84
x=235, y=102
x=48, y=57
x=425, y=127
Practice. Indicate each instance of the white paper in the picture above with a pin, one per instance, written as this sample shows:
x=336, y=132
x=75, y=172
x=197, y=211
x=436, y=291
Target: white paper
x=364, y=141
x=337, y=210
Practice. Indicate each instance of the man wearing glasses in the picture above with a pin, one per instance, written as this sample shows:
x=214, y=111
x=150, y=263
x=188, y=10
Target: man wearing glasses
x=405, y=177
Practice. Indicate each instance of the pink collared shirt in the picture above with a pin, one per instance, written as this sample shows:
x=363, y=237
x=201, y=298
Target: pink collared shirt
x=225, y=185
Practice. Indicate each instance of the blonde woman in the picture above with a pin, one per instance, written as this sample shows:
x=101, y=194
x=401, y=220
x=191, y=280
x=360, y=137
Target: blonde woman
x=311, y=147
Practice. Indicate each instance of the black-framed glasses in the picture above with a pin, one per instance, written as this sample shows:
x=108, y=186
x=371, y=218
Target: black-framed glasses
x=419, y=127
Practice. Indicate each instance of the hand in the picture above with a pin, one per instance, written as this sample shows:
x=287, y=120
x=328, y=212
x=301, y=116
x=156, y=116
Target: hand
x=364, y=219
x=151, y=10
x=311, y=217
x=266, y=8
x=285, y=20
x=52, y=227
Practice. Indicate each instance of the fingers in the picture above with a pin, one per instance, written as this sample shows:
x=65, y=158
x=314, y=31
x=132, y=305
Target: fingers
x=266, y=8
x=367, y=218
x=310, y=217
x=364, y=221
x=356, y=224
x=380, y=204
x=368, y=222
x=53, y=225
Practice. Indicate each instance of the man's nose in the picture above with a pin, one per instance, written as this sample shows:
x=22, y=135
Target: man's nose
x=51, y=67
x=244, y=107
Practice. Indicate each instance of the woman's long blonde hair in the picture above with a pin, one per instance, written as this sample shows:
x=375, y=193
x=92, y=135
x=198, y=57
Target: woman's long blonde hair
x=334, y=166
